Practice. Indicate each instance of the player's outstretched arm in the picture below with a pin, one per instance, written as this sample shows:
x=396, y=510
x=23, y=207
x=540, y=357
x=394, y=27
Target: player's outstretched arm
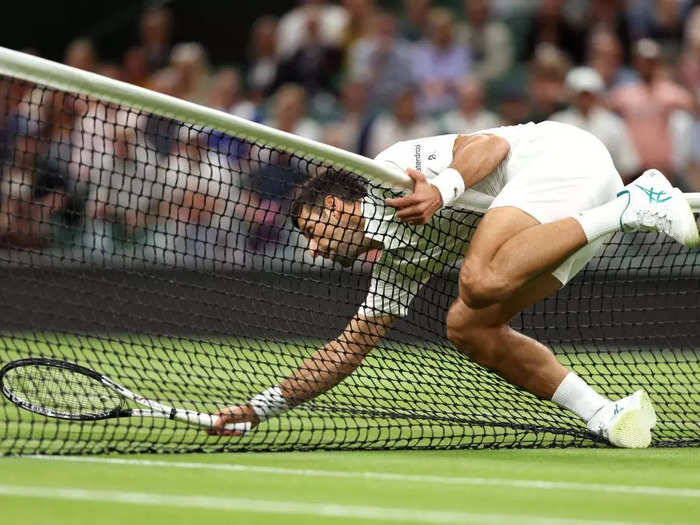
x=321, y=371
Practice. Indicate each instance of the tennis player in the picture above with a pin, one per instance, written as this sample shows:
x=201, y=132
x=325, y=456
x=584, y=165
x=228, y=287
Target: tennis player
x=551, y=197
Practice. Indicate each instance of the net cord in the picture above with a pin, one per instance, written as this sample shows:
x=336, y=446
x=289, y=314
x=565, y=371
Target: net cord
x=59, y=76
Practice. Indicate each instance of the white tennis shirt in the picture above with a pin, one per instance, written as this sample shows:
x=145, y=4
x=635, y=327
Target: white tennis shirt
x=412, y=254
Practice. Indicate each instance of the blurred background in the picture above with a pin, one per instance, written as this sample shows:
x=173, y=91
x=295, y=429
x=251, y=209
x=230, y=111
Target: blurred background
x=363, y=74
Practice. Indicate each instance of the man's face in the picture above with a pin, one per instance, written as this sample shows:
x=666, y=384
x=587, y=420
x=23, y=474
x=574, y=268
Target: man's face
x=335, y=231
x=585, y=100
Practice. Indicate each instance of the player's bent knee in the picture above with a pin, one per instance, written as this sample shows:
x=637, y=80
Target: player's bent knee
x=481, y=288
x=475, y=341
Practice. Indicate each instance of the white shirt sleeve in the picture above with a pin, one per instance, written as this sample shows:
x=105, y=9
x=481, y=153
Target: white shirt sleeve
x=391, y=291
x=402, y=271
x=395, y=157
x=429, y=155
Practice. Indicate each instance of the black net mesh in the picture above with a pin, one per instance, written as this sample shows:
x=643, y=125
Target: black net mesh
x=162, y=254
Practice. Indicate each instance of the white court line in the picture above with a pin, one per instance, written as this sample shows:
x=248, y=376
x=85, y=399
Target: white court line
x=263, y=506
x=645, y=490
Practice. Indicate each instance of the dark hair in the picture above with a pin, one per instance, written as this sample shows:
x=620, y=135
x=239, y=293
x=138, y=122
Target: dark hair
x=341, y=184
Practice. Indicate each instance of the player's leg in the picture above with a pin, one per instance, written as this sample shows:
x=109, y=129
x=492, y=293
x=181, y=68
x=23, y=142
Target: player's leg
x=511, y=247
x=485, y=335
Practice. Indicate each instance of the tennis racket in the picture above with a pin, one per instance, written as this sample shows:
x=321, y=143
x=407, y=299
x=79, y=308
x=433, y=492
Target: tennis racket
x=68, y=391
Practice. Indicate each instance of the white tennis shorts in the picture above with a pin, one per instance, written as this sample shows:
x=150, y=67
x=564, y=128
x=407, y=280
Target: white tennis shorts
x=558, y=173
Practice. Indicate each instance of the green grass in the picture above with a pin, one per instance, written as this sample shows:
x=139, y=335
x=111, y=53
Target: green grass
x=402, y=397
x=475, y=486
x=385, y=404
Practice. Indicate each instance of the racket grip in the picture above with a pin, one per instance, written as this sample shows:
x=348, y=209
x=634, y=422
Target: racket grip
x=209, y=420
x=241, y=428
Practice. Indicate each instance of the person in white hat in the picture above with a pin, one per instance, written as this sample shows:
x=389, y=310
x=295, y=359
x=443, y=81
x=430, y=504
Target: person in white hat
x=585, y=85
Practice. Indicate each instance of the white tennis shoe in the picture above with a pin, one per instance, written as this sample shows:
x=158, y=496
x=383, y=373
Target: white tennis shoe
x=626, y=423
x=654, y=205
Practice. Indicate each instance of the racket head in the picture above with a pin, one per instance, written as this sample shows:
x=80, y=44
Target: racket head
x=60, y=389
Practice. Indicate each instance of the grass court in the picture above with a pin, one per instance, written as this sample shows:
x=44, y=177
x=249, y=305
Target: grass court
x=548, y=487
x=587, y=486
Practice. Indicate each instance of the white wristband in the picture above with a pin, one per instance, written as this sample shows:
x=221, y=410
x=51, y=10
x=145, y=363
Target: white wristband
x=269, y=403
x=450, y=184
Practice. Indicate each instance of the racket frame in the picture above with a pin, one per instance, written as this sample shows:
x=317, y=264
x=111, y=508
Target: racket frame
x=154, y=409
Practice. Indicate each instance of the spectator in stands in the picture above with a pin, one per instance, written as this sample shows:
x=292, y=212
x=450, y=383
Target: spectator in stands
x=135, y=67
x=608, y=15
x=402, y=123
x=511, y=8
x=585, y=86
x=195, y=199
x=380, y=61
x=552, y=26
x=514, y=107
x=646, y=106
x=27, y=206
x=683, y=132
x=161, y=131
x=262, y=58
x=315, y=64
x=36, y=188
x=198, y=181
x=189, y=62
x=12, y=95
x=110, y=70
x=81, y=53
x=439, y=63
x=291, y=31
x=488, y=39
x=290, y=113
x=156, y=32
x=605, y=55
x=116, y=173
x=659, y=20
x=359, y=12
x=344, y=132
x=414, y=23
x=470, y=114
x=546, y=85
x=689, y=61
x=692, y=170
x=61, y=115
x=226, y=94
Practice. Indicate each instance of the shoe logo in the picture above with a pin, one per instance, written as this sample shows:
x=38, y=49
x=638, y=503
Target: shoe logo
x=617, y=410
x=654, y=196
x=629, y=198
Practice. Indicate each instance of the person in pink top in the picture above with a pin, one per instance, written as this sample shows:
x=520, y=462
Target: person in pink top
x=646, y=106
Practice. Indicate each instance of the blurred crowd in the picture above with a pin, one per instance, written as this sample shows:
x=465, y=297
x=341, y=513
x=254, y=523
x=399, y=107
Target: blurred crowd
x=358, y=75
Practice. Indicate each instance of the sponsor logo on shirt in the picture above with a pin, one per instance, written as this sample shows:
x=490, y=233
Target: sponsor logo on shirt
x=416, y=155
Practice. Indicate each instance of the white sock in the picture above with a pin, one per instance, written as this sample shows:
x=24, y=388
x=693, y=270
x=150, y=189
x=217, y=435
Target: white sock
x=603, y=219
x=575, y=394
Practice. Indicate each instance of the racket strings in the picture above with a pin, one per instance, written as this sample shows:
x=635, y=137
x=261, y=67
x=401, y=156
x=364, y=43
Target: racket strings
x=60, y=390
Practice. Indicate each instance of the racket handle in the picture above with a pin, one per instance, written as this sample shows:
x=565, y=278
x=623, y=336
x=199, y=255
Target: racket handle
x=241, y=428
x=209, y=420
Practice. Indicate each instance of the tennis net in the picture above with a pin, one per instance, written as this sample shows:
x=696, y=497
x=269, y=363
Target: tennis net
x=150, y=239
